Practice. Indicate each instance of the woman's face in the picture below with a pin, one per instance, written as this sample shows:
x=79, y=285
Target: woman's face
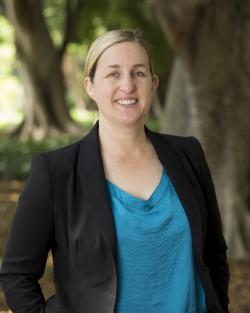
x=123, y=85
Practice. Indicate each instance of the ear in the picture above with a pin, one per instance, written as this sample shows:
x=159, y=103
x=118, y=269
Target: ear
x=155, y=83
x=89, y=87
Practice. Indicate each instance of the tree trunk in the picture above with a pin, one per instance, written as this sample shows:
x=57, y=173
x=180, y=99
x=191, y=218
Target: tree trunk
x=40, y=70
x=211, y=39
x=71, y=74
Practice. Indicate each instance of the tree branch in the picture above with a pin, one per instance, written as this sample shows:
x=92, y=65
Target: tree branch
x=2, y=8
x=179, y=7
x=72, y=8
x=179, y=19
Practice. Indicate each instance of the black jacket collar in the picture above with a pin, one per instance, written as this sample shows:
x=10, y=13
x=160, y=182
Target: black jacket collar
x=91, y=170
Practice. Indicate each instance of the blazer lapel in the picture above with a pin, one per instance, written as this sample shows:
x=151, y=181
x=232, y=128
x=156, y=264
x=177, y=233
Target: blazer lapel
x=173, y=166
x=91, y=171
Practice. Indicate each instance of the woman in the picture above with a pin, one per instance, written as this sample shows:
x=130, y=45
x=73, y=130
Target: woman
x=130, y=215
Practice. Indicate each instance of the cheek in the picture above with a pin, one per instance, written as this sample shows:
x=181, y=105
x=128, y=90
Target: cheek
x=100, y=92
x=146, y=90
x=103, y=94
x=105, y=88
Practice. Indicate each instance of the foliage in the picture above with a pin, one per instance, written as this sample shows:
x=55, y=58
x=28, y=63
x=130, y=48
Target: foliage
x=94, y=17
x=91, y=19
x=16, y=155
x=10, y=86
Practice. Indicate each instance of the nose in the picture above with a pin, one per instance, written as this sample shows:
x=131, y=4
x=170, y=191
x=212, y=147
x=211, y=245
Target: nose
x=127, y=84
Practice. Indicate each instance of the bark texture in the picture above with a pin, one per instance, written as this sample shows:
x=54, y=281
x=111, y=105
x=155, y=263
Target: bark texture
x=209, y=97
x=40, y=70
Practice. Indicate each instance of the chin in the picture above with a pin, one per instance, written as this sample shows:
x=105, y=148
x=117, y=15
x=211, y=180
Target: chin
x=131, y=121
x=123, y=119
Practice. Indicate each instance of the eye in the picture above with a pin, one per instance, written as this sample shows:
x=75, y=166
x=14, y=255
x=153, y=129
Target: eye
x=138, y=74
x=114, y=74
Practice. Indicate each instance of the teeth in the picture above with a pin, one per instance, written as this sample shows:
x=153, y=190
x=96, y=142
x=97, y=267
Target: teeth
x=126, y=102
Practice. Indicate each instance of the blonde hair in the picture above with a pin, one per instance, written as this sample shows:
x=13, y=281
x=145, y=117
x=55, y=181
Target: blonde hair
x=109, y=39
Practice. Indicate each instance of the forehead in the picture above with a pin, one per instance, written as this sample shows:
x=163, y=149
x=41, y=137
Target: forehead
x=124, y=53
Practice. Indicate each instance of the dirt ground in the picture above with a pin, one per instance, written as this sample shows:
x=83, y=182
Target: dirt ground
x=239, y=289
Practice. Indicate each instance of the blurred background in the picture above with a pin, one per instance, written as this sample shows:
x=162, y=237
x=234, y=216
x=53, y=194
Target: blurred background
x=201, y=51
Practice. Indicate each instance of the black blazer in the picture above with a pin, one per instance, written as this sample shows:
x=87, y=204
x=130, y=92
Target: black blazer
x=65, y=207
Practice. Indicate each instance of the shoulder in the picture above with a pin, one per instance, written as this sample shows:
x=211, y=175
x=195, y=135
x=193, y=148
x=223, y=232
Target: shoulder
x=184, y=144
x=62, y=159
x=63, y=154
x=186, y=150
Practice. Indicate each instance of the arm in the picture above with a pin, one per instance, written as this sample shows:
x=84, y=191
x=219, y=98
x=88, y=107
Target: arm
x=29, y=242
x=215, y=246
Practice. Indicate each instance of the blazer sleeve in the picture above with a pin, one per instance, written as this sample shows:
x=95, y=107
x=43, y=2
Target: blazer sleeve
x=215, y=256
x=28, y=244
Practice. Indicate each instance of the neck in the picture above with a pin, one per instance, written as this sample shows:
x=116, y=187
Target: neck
x=122, y=141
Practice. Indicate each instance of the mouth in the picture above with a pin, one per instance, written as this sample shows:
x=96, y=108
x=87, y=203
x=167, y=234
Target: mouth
x=126, y=102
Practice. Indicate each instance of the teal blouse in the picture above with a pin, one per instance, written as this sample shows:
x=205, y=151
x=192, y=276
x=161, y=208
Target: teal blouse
x=156, y=272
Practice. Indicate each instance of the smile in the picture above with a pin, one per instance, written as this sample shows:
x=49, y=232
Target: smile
x=126, y=101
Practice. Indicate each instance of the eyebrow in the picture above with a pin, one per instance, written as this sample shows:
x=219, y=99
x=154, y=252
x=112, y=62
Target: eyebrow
x=133, y=66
